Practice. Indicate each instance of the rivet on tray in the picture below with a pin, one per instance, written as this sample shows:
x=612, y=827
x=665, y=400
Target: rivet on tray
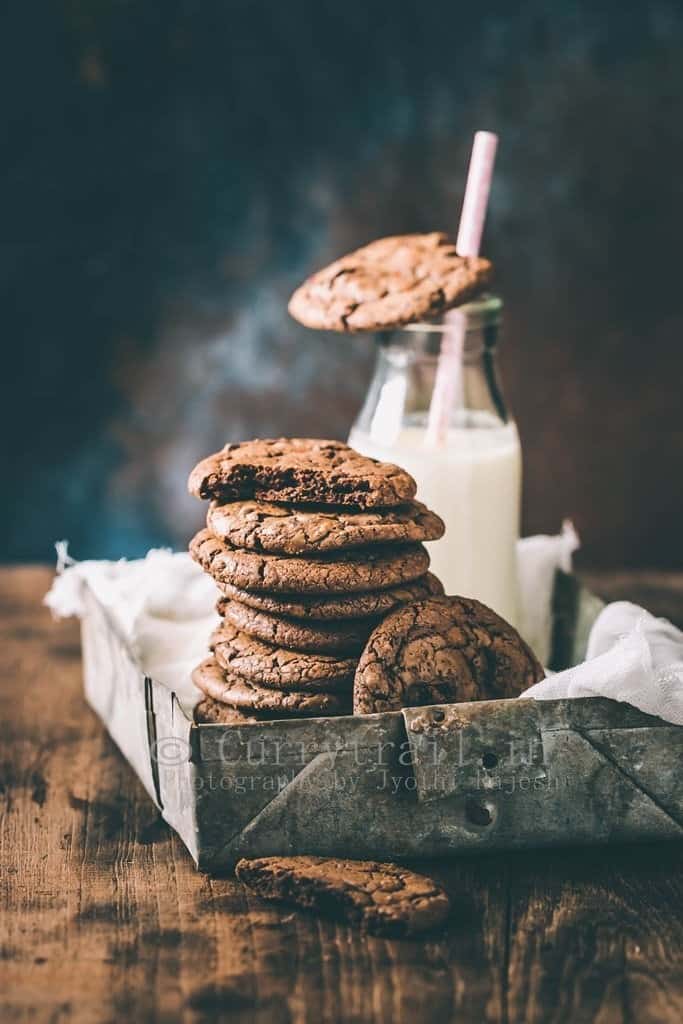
x=478, y=813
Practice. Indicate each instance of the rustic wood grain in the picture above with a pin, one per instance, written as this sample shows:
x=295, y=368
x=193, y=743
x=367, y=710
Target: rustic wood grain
x=104, y=918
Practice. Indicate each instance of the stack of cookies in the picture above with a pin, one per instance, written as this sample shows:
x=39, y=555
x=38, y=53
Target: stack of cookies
x=310, y=545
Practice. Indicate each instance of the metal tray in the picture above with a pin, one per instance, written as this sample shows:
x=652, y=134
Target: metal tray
x=421, y=782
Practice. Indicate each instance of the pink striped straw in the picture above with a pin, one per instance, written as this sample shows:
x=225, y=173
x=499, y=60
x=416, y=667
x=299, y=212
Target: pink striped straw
x=448, y=380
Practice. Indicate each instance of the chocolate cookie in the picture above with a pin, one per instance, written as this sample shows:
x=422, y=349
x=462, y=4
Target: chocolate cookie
x=276, y=666
x=229, y=688
x=383, y=898
x=347, y=636
x=300, y=470
x=297, y=530
x=213, y=712
x=442, y=650
x=392, y=281
x=338, y=572
x=336, y=606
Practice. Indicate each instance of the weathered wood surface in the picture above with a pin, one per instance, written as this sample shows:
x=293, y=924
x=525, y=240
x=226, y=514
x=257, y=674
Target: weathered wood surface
x=104, y=918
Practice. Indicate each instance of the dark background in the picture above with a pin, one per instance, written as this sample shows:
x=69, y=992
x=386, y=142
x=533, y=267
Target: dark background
x=172, y=170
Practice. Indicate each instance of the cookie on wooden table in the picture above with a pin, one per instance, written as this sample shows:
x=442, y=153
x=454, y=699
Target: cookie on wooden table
x=322, y=608
x=300, y=470
x=346, y=636
x=230, y=689
x=442, y=650
x=383, y=898
x=300, y=530
x=278, y=667
x=392, y=281
x=337, y=572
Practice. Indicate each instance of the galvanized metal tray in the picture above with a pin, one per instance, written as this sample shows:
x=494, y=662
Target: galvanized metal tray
x=421, y=782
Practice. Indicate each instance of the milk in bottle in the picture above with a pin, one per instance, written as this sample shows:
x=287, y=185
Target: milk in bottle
x=473, y=479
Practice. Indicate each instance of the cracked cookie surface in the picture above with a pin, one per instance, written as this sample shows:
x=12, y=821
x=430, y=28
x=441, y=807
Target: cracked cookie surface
x=300, y=470
x=320, y=608
x=391, y=281
x=346, y=636
x=213, y=712
x=230, y=689
x=357, y=569
x=297, y=530
x=442, y=650
x=383, y=898
x=279, y=667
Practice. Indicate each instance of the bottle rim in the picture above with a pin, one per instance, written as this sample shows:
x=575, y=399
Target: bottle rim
x=480, y=313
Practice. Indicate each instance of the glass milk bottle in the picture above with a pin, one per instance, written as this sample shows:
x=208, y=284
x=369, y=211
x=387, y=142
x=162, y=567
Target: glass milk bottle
x=472, y=480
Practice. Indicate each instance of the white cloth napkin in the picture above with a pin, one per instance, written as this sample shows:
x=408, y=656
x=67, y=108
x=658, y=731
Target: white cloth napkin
x=538, y=559
x=632, y=657
x=164, y=604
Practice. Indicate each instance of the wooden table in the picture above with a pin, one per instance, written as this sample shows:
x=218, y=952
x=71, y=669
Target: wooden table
x=104, y=918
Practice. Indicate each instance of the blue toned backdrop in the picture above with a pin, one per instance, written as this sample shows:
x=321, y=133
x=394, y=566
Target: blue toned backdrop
x=170, y=171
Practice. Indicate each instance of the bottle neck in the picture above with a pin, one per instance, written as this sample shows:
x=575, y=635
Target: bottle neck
x=402, y=387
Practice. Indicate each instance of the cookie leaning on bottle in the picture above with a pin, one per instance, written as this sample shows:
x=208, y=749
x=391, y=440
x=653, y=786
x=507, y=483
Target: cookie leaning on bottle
x=392, y=281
